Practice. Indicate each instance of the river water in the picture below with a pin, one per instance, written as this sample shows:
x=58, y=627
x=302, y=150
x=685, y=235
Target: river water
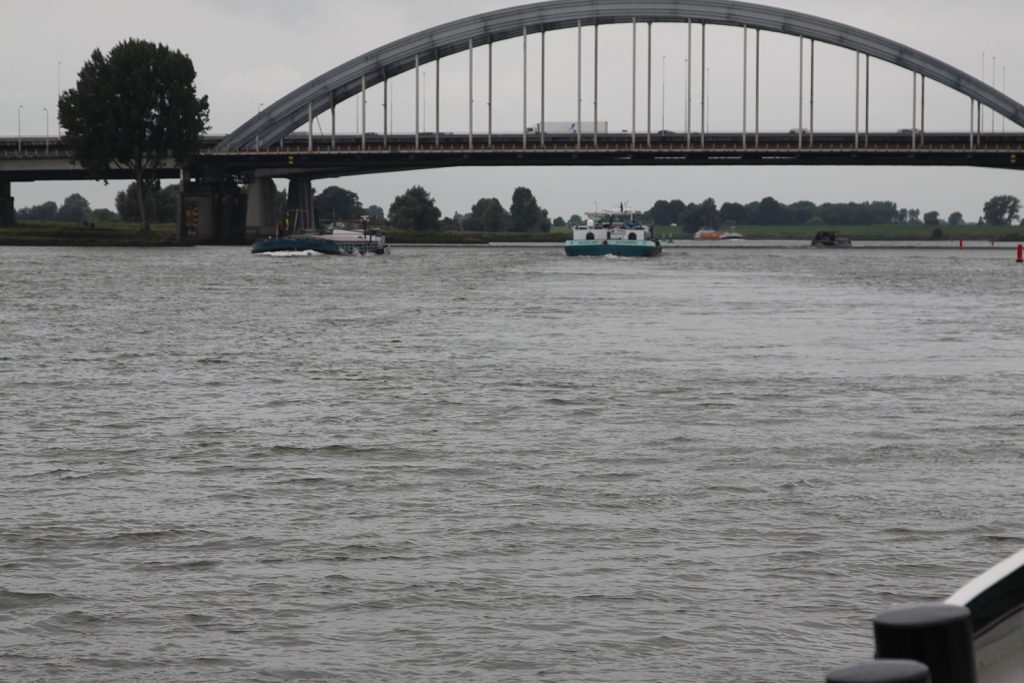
x=496, y=464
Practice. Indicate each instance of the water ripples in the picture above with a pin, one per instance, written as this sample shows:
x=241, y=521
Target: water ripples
x=494, y=464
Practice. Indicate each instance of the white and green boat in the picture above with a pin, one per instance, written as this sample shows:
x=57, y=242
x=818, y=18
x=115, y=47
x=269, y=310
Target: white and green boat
x=612, y=233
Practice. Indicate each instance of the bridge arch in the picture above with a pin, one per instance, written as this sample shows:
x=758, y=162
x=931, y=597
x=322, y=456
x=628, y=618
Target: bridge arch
x=346, y=80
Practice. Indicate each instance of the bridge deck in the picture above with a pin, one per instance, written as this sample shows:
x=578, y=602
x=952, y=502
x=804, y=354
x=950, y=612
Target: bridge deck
x=324, y=156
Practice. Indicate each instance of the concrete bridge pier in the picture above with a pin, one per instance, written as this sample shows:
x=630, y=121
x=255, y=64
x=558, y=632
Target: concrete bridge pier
x=260, y=220
x=6, y=204
x=183, y=206
x=300, y=205
x=220, y=211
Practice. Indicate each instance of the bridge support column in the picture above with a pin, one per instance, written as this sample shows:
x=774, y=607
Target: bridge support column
x=219, y=210
x=259, y=210
x=183, y=207
x=6, y=204
x=300, y=205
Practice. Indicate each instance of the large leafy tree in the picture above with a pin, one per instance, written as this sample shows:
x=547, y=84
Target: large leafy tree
x=666, y=212
x=47, y=211
x=134, y=109
x=161, y=203
x=799, y=213
x=376, y=214
x=414, y=210
x=735, y=212
x=75, y=209
x=770, y=211
x=335, y=202
x=709, y=213
x=1002, y=210
x=487, y=214
x=526, y=214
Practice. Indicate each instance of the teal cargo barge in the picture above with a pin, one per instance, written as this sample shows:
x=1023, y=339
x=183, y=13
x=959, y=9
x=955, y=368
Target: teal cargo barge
x=610, y=233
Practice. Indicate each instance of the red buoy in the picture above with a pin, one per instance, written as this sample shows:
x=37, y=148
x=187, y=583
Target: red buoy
x=961, y=244
x=1020, y=253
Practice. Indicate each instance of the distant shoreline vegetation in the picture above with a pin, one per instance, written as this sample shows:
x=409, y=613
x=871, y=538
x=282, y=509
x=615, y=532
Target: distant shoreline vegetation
x=880, y=233
x=126, y=234
x=413, y=218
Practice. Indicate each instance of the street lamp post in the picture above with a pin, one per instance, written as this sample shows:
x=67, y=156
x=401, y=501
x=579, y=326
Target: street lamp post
x=663, y=92
x=686, y=74
x=993, y=85
x=259, y=110
x=981, y=119
x=707, y=78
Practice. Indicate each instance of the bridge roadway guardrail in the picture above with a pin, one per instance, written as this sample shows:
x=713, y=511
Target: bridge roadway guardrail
x=41, y=159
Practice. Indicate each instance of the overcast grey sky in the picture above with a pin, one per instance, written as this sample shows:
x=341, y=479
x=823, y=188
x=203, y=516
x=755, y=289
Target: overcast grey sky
x=249, y=54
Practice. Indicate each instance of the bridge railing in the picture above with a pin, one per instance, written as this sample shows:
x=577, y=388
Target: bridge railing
x=674, y=141
x=477, y=146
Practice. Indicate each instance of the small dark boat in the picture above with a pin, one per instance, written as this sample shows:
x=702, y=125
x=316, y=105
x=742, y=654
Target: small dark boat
x=296, y=243
x=334, y=240
x=829, y=238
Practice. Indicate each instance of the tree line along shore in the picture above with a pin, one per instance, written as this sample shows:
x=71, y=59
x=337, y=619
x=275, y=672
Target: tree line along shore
x=413, y=218
x=127, y=234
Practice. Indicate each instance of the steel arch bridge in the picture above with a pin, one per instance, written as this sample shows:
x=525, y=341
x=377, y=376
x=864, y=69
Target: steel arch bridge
x=323, y=93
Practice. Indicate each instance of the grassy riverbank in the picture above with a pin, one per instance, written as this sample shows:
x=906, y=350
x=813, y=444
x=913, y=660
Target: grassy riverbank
x=114, y=234
x=39, y=233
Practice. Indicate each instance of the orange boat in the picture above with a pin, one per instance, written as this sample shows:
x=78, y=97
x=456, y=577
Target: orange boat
x=712, y=234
